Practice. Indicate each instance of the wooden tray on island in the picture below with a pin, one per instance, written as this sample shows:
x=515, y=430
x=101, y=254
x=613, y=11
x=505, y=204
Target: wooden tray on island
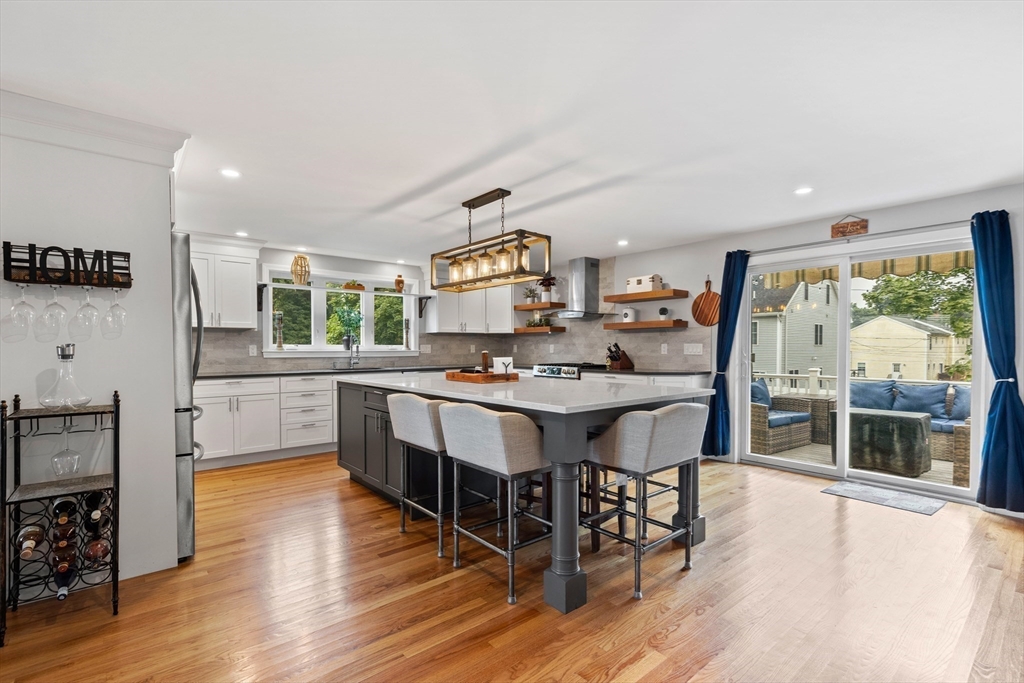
x=481, y=377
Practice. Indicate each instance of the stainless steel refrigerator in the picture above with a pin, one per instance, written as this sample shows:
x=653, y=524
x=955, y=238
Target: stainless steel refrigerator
x=185, y=287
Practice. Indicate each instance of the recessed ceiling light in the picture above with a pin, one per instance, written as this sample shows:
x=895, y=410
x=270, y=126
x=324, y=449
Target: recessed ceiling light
x=301, y=248
x=623, y=243
x=242, y=234
x=803, y=190
x=400, y=261
x=230, y=173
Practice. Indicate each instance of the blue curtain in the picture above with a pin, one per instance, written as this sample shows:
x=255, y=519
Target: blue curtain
x=1002, y=455
x=717, y=437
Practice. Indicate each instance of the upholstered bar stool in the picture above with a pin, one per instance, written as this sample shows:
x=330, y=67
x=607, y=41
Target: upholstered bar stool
x=507, y=445
x=641, y=444
x=417, y=424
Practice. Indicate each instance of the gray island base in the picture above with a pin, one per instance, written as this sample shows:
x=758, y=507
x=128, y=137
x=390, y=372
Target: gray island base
x=565, y=410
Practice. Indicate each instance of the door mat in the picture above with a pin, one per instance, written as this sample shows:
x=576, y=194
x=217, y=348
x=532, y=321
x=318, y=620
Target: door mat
x=894, y=499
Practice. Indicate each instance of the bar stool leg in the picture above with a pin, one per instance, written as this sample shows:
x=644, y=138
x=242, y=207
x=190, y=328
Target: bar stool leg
x=689, y=522
x=440, y=505
x=401, y=497
x=511, y=532
x=622, y=502
x=643, y=495
x=637, y=546
x=455, y=514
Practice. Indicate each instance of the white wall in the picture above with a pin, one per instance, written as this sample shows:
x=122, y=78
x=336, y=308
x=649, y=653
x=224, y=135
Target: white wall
x=115, y=197
x=685, y=266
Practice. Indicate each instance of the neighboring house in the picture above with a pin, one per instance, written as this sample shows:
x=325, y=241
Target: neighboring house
x=793, y=329
x=917, y=349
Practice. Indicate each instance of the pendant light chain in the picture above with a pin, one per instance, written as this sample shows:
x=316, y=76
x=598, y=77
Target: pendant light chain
x=502, y=215
x=471, y=225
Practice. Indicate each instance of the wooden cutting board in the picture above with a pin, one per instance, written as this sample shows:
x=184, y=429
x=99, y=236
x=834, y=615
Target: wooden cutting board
x=481, y=377
x=706, y=306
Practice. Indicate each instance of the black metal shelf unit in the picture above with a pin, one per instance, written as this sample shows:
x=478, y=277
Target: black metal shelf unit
x=31, y=504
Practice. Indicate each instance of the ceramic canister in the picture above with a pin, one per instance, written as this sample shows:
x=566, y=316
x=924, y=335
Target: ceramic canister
x=629, y=315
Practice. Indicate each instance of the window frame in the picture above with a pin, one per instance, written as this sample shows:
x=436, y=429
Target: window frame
x=318, y=302
x=754, y=332
x=819, y=334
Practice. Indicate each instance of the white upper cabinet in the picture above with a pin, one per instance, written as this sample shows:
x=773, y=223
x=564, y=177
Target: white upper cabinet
x=226, y=271
x=480, y=311
x=500, y=318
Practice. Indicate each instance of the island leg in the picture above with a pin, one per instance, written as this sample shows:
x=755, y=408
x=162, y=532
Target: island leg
x=565, y=584
x=689, y=506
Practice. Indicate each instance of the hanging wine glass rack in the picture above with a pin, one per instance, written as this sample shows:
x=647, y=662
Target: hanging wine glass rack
x=31, y=504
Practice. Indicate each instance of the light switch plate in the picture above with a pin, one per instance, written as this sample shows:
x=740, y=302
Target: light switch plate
x=472, y=348
x=515, y=348
x=551, y=348
x=693, y=349
x=424, y=348
x=252, y=349
x=664, y=349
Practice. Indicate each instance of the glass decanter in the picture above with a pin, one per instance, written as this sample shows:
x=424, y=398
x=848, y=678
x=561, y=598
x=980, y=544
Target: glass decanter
x=65, y=392
x=65, y=463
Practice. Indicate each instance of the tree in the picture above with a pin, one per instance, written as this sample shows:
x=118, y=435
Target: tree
x=925, y=293
x=859, y=316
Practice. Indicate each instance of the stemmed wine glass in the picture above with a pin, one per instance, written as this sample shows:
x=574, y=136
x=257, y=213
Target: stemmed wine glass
x=84, y=321
x=48, y=323
x=15, y=326
x=113, y=322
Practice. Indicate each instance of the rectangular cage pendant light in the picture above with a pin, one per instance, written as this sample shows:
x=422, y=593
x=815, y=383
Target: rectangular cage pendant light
x=507, y=258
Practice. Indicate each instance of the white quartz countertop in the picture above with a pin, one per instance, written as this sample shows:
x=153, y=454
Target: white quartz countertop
x=532, y=393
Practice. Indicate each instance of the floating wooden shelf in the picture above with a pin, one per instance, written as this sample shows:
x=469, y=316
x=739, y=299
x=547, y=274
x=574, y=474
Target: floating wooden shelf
x=656, y=295
x=538, y=330
x=540, y=306
x=647, y=325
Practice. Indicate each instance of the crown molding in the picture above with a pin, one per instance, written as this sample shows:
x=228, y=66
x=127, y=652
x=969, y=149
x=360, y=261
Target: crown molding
x=30, y=118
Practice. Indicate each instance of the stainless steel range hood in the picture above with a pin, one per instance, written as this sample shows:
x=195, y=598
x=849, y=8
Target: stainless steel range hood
x=583, y=299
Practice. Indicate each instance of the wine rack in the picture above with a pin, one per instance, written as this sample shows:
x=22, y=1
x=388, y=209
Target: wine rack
x=32, y=505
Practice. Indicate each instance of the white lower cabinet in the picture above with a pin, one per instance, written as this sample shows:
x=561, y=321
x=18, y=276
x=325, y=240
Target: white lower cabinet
x=233, y=425
x=306, y=433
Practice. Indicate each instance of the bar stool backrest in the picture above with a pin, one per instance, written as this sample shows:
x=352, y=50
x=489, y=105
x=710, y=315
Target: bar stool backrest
x=649, y=441
x=504, y=443
x=416, y=421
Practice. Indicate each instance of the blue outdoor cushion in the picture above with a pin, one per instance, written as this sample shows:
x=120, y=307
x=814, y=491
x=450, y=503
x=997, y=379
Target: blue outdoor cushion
x=941, y=424
x=928, y=398
x=876, y=395
x=781, y=418
x=961, y=403
x=759, y=393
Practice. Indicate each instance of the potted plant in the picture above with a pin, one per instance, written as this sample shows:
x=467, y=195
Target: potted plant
x=351, y=321
x=354, y=284
x=663, y=313
x=530, y=294
x=545, y=288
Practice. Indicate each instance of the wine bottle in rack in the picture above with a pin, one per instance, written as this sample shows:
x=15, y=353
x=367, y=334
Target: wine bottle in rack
x=95, y=503
x=96, y=551
x=97, y=527
x=63, y=580
x=28, y=538
x=64, y=558
x=63, y=534
x=63, y=509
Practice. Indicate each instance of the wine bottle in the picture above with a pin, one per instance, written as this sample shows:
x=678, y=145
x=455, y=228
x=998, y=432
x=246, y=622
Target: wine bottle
x=63, y=508
x=96, y=551
x=64, y=558
x=63, y=534
x=95, y=503
x=28, y=538
x=63, y=581
x=97, y=527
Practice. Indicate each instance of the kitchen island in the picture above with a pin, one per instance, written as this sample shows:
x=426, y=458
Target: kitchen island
x=564, y=409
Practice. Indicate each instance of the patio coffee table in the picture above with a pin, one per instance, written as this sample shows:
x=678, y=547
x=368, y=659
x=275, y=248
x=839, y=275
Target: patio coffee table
x=887, y=440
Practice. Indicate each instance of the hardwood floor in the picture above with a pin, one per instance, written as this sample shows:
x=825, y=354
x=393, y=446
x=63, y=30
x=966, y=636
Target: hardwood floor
x=301, y=575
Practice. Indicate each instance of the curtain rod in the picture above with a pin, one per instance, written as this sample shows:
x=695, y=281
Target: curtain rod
x=859, y=238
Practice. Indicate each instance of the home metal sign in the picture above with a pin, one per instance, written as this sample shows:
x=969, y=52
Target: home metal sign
x=32, y=265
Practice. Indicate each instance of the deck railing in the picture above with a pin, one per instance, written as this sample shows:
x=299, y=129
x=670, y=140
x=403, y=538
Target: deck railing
x=816, y=384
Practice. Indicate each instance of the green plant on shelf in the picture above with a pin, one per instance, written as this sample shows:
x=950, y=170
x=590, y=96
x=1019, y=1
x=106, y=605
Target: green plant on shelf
x=539, y=322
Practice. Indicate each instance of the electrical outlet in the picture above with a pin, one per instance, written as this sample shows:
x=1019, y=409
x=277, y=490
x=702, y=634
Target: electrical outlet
x=515, y=348
x=693, y=349
x=472, y=348
x=664, y=349
x=252, y=349
x=551, y=348
x=424, y=348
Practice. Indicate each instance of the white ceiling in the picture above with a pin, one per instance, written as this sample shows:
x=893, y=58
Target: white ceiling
x=362, y=127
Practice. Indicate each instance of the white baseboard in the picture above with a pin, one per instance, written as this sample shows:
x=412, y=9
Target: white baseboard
x=266, y=456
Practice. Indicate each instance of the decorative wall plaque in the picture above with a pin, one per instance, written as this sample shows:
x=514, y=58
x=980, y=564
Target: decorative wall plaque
x=32, y=265
x=850, y=228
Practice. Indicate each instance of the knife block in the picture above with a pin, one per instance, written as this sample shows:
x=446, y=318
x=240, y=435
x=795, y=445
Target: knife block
x=624, y=363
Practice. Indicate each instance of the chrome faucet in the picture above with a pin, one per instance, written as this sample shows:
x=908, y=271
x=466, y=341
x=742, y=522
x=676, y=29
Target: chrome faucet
x=353, y=358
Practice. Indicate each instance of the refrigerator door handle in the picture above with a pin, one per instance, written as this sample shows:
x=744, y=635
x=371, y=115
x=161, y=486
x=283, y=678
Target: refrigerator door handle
x=199, y=326
x=198, y=450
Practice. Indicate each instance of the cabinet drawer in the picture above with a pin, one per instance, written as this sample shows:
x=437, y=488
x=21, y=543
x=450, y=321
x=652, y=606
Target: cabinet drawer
x=306, y=433
x=306, y=383
x=306, y=399
x=610, y=377
x=377, y=398
x=236, y=387
x=303, y=415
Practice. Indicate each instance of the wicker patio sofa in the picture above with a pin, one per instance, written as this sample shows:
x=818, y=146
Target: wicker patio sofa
x=771, y=432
